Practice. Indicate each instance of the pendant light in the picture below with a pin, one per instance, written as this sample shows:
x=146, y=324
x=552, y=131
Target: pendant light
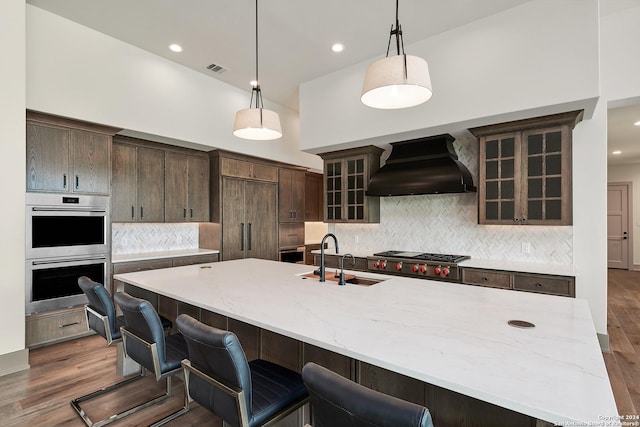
x=256, y=122
x=397, y=81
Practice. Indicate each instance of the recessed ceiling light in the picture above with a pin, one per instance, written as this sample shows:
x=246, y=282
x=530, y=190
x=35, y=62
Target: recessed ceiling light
x=616, y=152
x=337, y=47
x=175, y=47
x=637, y=123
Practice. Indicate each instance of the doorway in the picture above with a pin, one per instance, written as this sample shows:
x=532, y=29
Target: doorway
x=619, y=236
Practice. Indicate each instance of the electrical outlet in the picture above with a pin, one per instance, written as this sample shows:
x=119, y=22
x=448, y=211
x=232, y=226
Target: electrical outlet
x=526, y=248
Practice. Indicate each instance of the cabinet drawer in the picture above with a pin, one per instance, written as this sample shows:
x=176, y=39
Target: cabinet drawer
x=47, y=328
x=130, y=267
x=493, y=279
x=563, y=286
x=196, y=259
x=291, y=234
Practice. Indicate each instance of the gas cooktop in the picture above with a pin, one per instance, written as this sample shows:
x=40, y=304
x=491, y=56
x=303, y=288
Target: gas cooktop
x=423, y=256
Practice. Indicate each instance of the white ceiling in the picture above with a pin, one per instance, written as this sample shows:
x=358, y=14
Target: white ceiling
x=295, y=37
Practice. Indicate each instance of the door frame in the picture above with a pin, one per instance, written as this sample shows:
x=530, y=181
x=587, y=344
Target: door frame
x=630, y=265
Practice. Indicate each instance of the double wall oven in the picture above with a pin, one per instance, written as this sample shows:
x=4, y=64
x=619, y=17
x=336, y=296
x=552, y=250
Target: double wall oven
x=68, y=236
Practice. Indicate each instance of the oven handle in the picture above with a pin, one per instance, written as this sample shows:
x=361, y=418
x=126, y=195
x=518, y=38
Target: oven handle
x=36, y=209
x=65, y=260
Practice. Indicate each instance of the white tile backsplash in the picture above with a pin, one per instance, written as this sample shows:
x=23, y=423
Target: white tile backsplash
x=448, y=223
x=131, y=238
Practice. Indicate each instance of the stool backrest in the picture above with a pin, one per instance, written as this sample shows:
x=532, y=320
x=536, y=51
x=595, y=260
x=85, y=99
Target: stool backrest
x=219, y=355
x=100, y=302
x=142, y=321
x=339, y=402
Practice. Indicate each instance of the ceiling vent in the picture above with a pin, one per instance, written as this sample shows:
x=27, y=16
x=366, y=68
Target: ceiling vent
x=218, y=69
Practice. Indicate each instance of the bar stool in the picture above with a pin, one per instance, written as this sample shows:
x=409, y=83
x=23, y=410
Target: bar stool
x=101, y=318
x=244, y=394
x=144, y=342
x=339, y=402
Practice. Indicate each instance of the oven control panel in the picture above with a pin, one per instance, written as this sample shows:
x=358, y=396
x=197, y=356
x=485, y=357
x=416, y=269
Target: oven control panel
x=414, y=268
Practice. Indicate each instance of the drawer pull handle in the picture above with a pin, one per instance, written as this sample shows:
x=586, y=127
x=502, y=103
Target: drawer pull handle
x=485, y=279
x=69, y=324
x=539, y=285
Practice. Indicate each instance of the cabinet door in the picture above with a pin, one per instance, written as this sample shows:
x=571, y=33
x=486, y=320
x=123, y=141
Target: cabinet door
x=91, y=162
x=150, y=185
x=355, y=189
x=333, y=194
x=546, y=158
x=313, y=197
x=500, y=174
x=175, y=196
x=47, y=158
x=198, y=189
x=262, y=225
x=285, y=195
x=233, y=220
x=297, y=196
x=123, y=183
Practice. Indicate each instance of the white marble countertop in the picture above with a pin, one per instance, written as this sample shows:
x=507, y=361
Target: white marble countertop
x=145, y=256
x=454, y=337
x=489, y=264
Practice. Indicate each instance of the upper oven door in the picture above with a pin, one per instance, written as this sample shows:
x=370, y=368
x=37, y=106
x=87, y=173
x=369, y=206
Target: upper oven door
x=71, y=229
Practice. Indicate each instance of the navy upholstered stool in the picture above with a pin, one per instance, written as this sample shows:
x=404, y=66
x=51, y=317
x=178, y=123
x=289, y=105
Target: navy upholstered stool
x=339, y=402
x=101, y=318
x=145, y=342
x=244, y=394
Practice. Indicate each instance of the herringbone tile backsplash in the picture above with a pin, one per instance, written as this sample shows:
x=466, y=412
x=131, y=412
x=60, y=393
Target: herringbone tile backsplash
x=131, y=238
x=448, y=223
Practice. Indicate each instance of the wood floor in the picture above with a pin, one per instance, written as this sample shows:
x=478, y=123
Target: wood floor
x=623, y=363
x=40, y=396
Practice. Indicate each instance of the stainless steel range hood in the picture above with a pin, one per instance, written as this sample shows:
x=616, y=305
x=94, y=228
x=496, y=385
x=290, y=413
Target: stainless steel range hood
x=422, y=166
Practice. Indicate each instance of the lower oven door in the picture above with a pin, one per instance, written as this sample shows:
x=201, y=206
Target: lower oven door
x=52, y=284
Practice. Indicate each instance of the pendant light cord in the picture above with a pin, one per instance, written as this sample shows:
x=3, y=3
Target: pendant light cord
x=398, y=33
x=256, y=89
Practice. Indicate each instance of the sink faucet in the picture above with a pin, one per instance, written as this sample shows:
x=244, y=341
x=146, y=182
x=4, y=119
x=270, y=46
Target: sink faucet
x=353, y=262
x=335, y=239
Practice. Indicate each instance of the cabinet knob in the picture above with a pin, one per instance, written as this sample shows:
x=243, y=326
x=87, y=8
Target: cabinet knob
x=539, y=285
x=516, y=219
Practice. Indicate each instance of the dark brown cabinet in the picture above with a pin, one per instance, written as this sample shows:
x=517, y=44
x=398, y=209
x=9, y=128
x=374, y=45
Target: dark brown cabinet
x=525, y=171
x=244, y=200
x=186, y=188
x=67, y=156
x=291, y=195
x=137, y=184
x=249, y=223
x=346, y=177
x=313, y=197
x=528, y=282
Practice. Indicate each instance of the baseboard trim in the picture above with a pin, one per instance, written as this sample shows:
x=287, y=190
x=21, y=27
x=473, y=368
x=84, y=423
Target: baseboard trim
x=603, y=339
x=14, y=362
x=635, y=267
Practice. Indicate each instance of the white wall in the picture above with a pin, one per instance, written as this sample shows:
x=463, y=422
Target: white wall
x=12, y=184
x=630, y=173
x=539, y=57
x=80, y=73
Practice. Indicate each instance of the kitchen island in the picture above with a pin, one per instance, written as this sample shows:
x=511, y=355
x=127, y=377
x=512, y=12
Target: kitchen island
x=452, y=337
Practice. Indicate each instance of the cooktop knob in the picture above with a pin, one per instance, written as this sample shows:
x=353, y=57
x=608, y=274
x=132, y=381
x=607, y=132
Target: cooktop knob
x=399, y=266
x=383, y=264
x=423, y=269
x=437, y=270
x=376, y=264
x=445, y=271
x=415, y=268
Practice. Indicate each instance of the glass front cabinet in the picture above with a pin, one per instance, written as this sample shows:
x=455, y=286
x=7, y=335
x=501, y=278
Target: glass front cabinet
x=346, y=177
x=525, y=171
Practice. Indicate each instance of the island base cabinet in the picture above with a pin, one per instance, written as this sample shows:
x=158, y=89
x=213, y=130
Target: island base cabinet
x=447, y=408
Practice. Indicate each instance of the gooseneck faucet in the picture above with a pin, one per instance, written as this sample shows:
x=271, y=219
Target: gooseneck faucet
x=335, y=239
x=353, y=262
